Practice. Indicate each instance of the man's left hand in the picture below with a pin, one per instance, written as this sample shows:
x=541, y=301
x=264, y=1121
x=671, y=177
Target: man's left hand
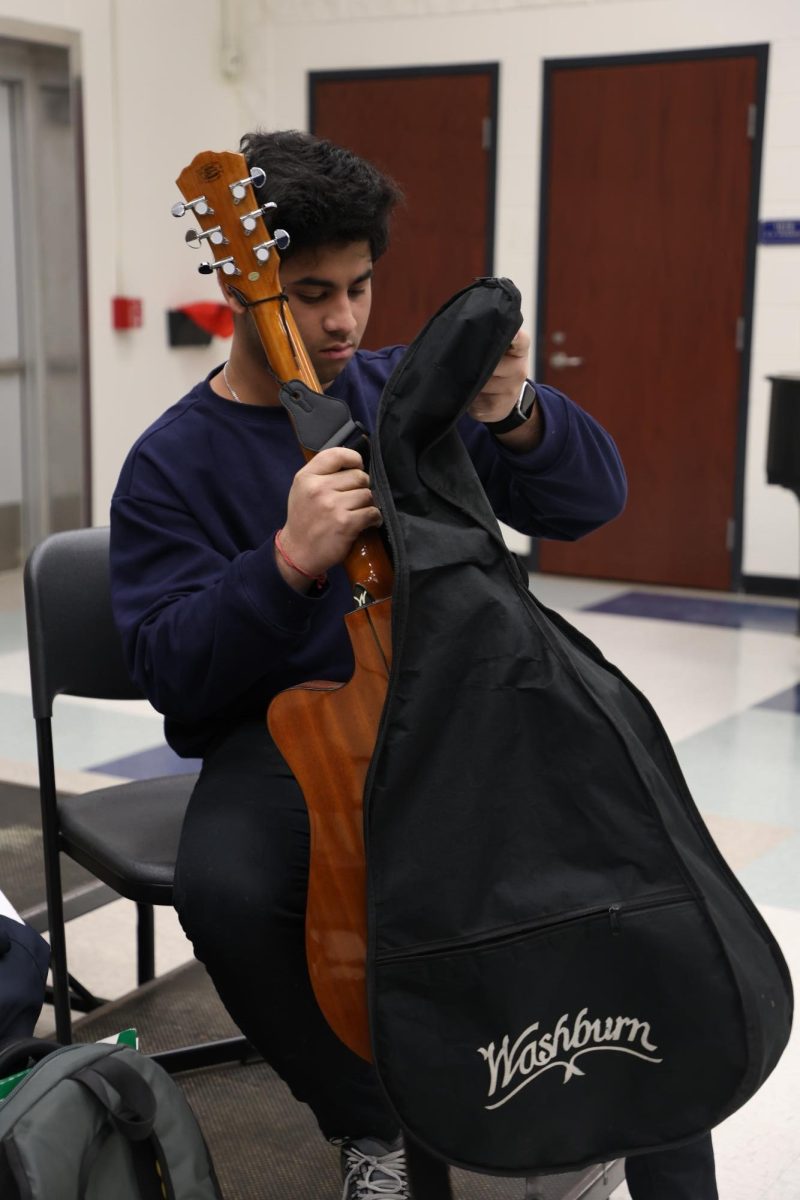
x=496, y=400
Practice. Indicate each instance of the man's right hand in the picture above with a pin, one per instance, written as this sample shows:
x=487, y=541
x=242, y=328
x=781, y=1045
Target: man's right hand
x=329, y=505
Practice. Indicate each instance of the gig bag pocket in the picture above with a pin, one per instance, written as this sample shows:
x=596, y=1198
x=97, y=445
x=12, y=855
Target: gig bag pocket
x=542, y=1048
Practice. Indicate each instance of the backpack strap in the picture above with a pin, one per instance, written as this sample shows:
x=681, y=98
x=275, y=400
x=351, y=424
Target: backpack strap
x=124, y=1093
x=17, y=1054
x=131, y=1106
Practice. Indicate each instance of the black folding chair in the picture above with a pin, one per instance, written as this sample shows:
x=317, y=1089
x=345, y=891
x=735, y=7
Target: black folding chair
x=125, y=835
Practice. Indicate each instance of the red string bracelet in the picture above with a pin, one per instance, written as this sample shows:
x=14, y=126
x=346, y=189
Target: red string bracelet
x=319, y=580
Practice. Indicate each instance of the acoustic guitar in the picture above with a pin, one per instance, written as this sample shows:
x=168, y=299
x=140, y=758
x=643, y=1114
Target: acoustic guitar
x=325, y=731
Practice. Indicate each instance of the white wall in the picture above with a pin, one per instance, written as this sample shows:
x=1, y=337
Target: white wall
x=155, y=94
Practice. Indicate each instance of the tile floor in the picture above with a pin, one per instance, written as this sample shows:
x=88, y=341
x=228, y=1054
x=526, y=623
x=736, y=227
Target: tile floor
x=724, y=675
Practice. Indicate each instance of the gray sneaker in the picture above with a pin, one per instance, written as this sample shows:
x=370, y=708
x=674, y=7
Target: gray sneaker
x=371, y=1168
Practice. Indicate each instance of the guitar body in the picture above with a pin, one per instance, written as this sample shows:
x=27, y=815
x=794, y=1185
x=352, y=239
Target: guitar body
x=327, y=733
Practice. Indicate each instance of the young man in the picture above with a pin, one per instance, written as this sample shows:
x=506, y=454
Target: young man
x=217, y=614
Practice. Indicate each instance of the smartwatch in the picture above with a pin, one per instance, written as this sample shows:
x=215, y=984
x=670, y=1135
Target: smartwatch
x=519, y=413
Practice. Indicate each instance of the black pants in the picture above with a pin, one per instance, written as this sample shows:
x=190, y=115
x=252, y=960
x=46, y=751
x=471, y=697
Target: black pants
x=240, y=892
x=684, y=1174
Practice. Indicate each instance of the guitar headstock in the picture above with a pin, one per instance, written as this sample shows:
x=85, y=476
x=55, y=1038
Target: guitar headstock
x=219, y=192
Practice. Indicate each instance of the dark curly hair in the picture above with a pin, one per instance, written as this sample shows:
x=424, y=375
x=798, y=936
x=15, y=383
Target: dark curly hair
x=326, y=195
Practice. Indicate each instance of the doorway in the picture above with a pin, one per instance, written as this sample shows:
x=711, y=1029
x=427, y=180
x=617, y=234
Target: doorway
x=43, y=389
x=650, y=175
x=433, y=131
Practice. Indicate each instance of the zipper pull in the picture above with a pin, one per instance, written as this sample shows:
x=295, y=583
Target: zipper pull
x=613, y=916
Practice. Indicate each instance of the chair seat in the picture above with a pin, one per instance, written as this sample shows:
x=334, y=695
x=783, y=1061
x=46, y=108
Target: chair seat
x=127, y=835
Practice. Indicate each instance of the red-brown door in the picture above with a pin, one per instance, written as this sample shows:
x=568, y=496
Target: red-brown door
x=432, y=131
x=647, y=204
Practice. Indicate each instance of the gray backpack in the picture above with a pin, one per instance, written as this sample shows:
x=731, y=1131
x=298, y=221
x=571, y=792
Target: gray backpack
x=90, y=1122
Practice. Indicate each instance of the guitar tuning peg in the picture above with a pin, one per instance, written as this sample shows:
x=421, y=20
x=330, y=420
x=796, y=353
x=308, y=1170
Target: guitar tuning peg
x=199, y=206
x=239, y=189
x=215, y=236
x=281, y=240
x=226, y=265
x=250, y=220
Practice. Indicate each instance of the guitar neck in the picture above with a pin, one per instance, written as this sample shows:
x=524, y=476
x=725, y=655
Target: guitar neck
x=282, y=343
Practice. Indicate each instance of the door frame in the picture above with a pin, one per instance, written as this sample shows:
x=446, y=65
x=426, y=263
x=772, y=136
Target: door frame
x=35, y=521
x=492, y=69
x=760, y=52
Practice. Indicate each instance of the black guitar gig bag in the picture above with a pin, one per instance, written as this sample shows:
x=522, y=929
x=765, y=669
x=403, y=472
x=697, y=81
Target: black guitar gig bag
x=562, y=968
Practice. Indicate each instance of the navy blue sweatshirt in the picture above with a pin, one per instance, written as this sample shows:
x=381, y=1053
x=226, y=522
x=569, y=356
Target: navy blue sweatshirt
x=210, y=629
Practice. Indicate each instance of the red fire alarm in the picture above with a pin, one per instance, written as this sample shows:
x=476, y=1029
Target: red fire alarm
x=126, y=312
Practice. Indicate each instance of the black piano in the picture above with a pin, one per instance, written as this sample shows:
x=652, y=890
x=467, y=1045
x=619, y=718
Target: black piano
x=783, y=444
x=783, y=440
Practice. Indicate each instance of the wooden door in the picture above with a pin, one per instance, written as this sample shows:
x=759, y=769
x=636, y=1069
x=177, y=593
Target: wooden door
x=432, y=131
x=648, y=238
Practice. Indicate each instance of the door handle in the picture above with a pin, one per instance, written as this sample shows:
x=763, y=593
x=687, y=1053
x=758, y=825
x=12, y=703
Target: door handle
x=559, y=360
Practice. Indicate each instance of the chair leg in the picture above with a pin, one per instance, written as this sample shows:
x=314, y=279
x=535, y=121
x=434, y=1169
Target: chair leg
x=61, y=988
x=81, y=999
x=52, y=878
x=145, y=943
x=206, y=1054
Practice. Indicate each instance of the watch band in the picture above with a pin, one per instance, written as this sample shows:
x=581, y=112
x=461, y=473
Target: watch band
x=519, y=414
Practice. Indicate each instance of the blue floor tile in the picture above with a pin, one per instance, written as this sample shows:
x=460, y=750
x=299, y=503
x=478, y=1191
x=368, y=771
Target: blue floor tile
x=82, y=734
x=774, y=878
x=747, y=767
x=788, y=701
x=148, y=764
x=701, y=610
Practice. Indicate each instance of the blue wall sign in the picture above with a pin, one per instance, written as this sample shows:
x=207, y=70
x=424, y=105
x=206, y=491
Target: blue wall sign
x=785, y=232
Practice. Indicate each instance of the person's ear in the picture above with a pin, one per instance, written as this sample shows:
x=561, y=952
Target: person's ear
x=236, y=306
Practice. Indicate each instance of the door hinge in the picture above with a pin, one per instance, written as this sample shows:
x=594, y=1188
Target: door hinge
x=486, y=133
x=740, y=333
x=752, y=120
x=730, y=534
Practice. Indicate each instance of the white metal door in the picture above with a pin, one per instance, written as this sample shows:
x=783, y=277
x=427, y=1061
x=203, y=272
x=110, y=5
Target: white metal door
x=43, y=395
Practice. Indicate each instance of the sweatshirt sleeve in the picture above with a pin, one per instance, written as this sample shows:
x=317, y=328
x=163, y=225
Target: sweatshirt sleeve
x=572, y=483
x=199, y=624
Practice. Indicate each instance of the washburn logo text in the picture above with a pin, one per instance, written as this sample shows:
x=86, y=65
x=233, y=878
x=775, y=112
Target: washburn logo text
x=513, y=1065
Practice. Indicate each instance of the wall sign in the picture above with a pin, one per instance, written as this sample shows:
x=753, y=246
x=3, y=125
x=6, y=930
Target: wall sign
x=785, y=232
